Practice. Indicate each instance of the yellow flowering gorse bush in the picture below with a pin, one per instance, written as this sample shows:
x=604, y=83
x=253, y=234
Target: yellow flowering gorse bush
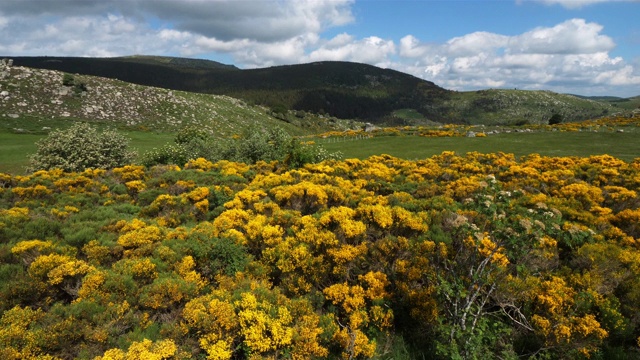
x=458, y=256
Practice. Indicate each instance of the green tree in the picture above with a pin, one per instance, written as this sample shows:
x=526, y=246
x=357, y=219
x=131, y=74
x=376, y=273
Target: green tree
x=80, y=147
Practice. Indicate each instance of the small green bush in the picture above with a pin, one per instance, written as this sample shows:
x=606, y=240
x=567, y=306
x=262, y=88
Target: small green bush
x=68, y=80
x=78, y=86
x=80, y=147
x=556, y=119
x=167, y=154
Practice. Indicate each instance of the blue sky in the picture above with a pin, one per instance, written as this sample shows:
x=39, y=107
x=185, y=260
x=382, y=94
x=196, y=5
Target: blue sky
x=588, y=47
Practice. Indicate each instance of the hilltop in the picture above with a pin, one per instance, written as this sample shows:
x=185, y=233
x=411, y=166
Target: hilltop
x=340, y=89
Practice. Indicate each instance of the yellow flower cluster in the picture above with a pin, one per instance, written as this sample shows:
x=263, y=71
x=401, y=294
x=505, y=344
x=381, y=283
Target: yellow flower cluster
x=143, y=350
x=200, y=164
x=260, y=261
x=130, y=173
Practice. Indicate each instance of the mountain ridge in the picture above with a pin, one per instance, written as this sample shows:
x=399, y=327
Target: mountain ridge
x=340, y=89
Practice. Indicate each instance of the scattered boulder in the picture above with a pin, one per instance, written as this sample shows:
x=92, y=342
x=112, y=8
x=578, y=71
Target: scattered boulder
x=63, y=91
x=369, y=127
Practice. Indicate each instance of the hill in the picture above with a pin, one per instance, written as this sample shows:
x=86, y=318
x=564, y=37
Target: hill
x=340, y=89
x=183, y=63
x=35, y=99
x=501, y=106
x=344, y=90
x=630, y=103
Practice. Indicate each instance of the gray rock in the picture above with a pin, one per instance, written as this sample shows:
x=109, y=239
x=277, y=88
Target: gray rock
x=369, y=127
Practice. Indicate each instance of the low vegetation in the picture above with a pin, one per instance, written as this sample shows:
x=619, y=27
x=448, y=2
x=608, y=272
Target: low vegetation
x=616, y=136
x=474, y=256
x=256, y=144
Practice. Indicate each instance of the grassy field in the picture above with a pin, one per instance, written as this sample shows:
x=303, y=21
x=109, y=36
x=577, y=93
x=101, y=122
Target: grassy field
x=621, y=145
x=15, y=148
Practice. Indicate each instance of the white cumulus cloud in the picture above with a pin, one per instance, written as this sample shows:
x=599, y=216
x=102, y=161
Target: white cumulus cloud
x=574, y=36
x=577, y=4
x=371, y=50
x=474, y=43
x=573, y=55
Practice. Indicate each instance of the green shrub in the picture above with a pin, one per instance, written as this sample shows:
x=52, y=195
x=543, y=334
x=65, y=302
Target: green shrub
x=555, y=119
x=81, y=147
x=256, y=144
x=78, y=86
x=190, y=134
x=276, y=145
x=68, y=80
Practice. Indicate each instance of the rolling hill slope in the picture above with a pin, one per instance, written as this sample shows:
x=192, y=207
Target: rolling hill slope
x=344, y=90
x=33, y=99
x=340, y=89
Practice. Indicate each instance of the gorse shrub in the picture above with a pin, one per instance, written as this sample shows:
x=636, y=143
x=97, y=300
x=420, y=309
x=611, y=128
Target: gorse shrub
x=479, y=256
x=80, y=147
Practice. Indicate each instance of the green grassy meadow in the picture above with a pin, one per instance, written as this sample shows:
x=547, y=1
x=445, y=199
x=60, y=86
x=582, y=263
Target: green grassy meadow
x=621, y=145
x=15, y=148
